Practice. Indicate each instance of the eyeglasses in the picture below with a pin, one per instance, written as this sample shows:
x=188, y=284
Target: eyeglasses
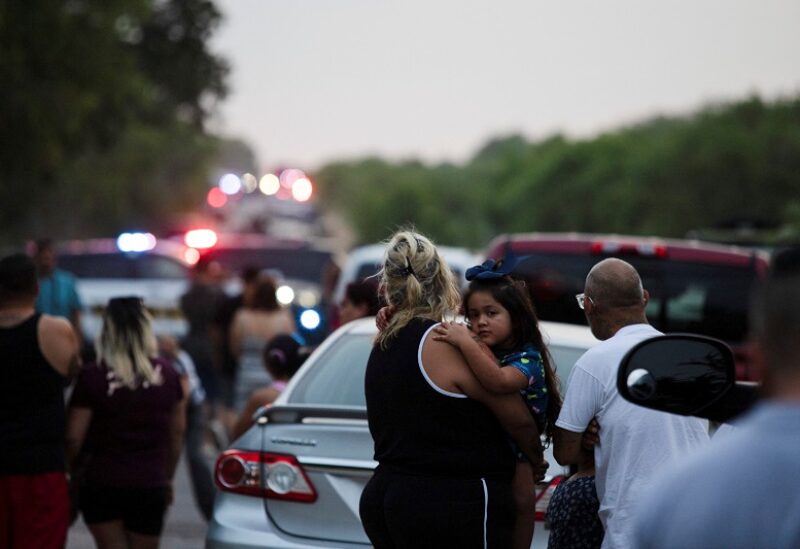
x=581, y=299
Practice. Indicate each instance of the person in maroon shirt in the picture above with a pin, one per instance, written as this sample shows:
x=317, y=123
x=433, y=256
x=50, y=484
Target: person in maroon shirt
x=129, y=409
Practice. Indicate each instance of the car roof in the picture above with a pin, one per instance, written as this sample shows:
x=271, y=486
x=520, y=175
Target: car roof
x=581, y=243
x=109, y=246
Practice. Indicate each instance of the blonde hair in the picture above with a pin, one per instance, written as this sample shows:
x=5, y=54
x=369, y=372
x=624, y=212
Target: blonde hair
x=126, y=342
x=417, y=281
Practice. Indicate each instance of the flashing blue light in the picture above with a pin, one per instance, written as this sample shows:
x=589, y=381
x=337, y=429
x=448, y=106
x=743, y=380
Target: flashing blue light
x=136, y=242
x=310, y=319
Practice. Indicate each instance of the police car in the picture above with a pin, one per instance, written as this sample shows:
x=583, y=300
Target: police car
x=133, y=264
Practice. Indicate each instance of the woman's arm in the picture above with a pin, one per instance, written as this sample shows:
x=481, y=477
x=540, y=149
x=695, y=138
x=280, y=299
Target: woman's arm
x=78, y=421
x=480, y=359
x=236, y=334
x=177, y=429
x=259, y=398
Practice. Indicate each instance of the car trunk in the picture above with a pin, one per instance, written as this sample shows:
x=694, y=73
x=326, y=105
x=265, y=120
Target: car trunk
x=335, y=449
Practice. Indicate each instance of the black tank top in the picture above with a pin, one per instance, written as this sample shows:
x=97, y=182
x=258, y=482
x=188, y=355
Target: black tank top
x=32, y=415
x=418, y=430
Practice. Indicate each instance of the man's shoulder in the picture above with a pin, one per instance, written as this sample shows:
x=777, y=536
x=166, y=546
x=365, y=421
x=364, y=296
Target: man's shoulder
x=63, y=276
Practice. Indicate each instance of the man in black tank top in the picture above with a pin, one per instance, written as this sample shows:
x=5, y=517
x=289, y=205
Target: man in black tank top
x=38, y=354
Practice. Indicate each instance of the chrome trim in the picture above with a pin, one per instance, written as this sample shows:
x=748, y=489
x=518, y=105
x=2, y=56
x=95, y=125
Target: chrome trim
x=338, y=465
x=333, y=421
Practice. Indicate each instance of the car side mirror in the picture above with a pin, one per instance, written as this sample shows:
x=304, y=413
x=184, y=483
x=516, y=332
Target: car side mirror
x=684, y=374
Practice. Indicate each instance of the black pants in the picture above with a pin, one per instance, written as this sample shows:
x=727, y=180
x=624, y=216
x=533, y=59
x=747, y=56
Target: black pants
x=402, y=511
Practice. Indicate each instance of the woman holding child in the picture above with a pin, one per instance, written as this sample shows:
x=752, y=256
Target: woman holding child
x=445, y=462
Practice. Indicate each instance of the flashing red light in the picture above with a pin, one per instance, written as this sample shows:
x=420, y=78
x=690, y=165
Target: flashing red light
x=200, y=238
x=216, y=198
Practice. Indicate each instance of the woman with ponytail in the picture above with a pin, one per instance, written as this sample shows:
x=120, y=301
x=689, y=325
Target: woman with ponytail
x=444, y=461
x=128, y=412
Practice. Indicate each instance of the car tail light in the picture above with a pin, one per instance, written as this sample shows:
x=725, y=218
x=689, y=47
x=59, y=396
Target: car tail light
x=543, y=497
x=273, y=476
x=610, y=247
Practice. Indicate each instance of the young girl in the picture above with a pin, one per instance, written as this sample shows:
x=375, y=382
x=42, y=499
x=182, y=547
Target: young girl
x=503, y=346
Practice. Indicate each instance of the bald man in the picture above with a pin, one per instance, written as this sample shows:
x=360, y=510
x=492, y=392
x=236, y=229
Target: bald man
x=635, y=443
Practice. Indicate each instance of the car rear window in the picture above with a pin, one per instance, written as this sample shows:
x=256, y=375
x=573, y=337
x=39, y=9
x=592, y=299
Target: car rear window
x=684, y=297
x=337, y=378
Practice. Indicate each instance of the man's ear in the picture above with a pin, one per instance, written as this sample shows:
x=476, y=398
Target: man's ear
x=645, y=297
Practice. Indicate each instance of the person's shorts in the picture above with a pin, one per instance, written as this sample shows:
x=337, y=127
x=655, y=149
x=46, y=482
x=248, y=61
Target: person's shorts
x=34, y=511
x=141, y=510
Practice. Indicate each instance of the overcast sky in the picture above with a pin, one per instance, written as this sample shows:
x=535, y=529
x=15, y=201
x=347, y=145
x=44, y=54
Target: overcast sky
x=320, y=80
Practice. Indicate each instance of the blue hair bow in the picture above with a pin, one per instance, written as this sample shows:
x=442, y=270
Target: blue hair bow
x=491, y=269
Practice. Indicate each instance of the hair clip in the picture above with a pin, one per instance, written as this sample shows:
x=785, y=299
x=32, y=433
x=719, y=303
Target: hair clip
x=408, y=270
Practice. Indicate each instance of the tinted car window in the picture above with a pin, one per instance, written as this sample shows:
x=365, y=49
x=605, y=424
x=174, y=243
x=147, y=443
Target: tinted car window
x=155, y=266
x=108, y=265
x=684, y=297
x=337, y=379
x=302, y=264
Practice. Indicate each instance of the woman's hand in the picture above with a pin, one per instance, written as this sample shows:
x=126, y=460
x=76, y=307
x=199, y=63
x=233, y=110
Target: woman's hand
x=453, y=333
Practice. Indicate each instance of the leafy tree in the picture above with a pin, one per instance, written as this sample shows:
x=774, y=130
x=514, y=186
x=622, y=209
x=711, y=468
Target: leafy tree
x=82, y=81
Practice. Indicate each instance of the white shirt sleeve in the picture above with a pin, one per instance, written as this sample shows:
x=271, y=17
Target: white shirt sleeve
x=582, y=402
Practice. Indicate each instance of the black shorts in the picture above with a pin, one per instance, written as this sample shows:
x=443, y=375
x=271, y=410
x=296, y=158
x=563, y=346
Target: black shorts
x=140, y=509
x=401, y=511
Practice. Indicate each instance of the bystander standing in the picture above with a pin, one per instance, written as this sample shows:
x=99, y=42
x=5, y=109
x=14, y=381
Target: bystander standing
x=635, y=443
x=58, y=295
x=38, y=354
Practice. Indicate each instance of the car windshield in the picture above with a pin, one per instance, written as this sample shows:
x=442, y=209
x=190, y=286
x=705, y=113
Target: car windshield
x=337, y=378
x=119, y=265
x=684, y=297
x=301, y=264
x=565, y=358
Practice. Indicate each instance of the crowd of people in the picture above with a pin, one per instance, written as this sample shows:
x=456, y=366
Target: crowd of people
x=102, y=437
x=460, y=413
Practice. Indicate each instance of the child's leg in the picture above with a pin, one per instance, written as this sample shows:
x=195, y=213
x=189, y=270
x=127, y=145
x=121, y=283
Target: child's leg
x=523, y=489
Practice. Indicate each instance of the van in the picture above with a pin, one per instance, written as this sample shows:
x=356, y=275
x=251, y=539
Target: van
x=695, y=287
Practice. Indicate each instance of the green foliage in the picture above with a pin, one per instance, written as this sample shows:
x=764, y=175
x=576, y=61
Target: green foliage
x=664, y=177
x=102, y=100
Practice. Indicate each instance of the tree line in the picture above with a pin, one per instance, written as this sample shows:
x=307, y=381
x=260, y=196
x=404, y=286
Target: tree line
x=723, y=165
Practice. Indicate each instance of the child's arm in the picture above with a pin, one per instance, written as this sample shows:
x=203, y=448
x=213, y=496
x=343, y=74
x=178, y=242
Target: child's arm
x=481, y=360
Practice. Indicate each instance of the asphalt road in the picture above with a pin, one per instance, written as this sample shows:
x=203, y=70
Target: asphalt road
x=184, y=527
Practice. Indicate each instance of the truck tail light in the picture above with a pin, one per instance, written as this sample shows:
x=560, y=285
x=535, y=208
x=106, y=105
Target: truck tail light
x=543, y=497
x=272, y=476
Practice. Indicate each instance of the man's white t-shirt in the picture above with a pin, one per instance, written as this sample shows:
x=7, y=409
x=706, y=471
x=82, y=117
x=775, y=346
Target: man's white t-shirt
x=636, y=443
